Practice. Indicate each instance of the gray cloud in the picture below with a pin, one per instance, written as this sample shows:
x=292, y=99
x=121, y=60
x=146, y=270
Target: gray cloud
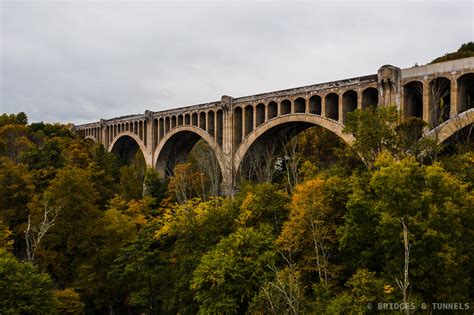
x=80, y=61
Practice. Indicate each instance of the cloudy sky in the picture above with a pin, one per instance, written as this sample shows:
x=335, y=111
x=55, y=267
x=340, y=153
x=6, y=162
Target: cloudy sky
x=78, y=61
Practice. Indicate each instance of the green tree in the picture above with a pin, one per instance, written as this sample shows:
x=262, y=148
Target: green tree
x=68, y=302
x=23, y=290
x=262, y=204
x=373, y=130
x=229, y=275
x=16, y=189
x=435, y=208
x=73, y=238
x=310, y=230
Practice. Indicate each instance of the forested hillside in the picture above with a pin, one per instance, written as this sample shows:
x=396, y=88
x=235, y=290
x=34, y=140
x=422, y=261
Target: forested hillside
x=326, y=229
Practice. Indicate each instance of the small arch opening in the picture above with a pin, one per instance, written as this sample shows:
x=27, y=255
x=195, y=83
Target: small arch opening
x=465, y=92
x=260, y=119
x=332, y=106
x=370, y=97
x=440, y=100
x=315, y=105
x=285, y=107
x=300, y=105
x=413, y=100
x=349, y=103
x=248, y=119
x=272, y=110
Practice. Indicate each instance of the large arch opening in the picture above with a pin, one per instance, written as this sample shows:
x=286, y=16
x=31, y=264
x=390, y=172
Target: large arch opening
x=370, y=97
x=440, y=100
x=126, y=148
x=413, y=100
x=465, y=92
x=188, y=158
x=132, y=165
x=332, y=106
x=278, y=152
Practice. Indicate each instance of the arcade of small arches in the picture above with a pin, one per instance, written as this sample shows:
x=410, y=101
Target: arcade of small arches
x=232, y=127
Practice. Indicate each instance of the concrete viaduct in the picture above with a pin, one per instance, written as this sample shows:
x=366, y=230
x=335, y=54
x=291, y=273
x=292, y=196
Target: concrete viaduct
x=233, y=126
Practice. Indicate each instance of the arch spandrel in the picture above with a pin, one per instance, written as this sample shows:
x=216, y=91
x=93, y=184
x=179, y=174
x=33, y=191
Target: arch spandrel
x=315, y=120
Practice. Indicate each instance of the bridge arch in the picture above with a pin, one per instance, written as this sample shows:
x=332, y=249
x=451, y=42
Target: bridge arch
x=126, y=144
x=290, y=123
x=89, y=137
x=453, y=125
x=177, y=144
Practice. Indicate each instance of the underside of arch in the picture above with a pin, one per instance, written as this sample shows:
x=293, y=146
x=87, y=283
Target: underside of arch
x=277, y=130
x=126, y=145
x=91, y=138
x=176, y=145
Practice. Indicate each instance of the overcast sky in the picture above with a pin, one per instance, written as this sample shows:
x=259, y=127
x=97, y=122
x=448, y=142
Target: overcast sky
x=79, y=61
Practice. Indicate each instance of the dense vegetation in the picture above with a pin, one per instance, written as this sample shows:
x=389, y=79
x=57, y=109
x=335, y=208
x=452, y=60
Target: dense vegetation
x=466, y=50
x=329, y=229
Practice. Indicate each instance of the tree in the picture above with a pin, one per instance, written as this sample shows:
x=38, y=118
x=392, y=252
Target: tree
x=16, y=189
x=204, y=161
x=119, y=231
x=434, y=204
x=311, y=226
x=262, y=204
x=73, y=237
x=365, y=290
x=68, y=302
x=154, y=186
x=14, y=141
x=282, y=295
x=34, y=234
x=373, y=130
x=23, y=290
x=228, y=276
x=5, y=237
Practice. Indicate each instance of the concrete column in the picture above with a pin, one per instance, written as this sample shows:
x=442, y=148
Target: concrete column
x=454, y=98
x=254, y=122
x=215, y=125
x=323, y=105
x=359, y=99
x=306, y=105
x=244, y=116
x=150, y=134
x=278, y=109
x=426, y=102
x=207, y=122
x=292, y=106
x=266, y=112
x=340, y=110
x=228, y=172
